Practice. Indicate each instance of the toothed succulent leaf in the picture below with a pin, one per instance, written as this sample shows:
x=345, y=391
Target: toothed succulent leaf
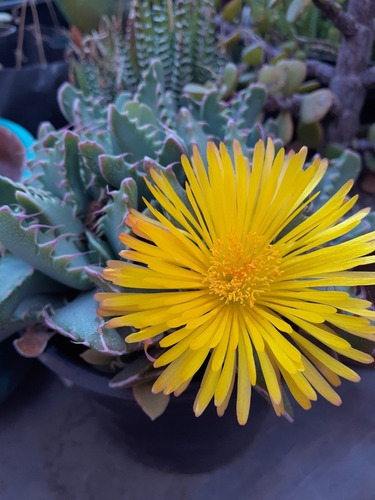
x=135, y=131
x=79, y=108
x=55, y=255
x=213, y=115
x=99, y=251
x=190, y=131
x=247, y=105
x=48, y=209
x=87, y=328
x=151, y=92
x=90, y=153
x=172, y=149
x=115, y=169
x=113, y=220
x=18, y=280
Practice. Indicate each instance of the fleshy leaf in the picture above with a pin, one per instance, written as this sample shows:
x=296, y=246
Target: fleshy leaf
x=33, y=342
x=115, y=212
x=56, y=256
x=79, y=321
x=136, y=372
x=153, y=405
x=213, y=115
x=295, y=9
x=316, y=105
x=17, y=281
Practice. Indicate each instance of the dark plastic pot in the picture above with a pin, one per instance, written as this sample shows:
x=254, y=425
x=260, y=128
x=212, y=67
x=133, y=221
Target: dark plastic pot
x=177, y=440
x=28, y=95
x=13, y=368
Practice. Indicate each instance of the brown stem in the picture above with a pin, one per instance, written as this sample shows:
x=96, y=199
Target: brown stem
x=368, y=78
x=352, y=61
x=284, y=104
x=38, y=34
x=21, y=32
x=321, y=71
x=343, y=21
x=53, y=15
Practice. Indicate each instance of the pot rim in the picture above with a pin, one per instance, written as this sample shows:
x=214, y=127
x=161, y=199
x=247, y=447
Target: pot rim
x=7, y=29
x=80, y=373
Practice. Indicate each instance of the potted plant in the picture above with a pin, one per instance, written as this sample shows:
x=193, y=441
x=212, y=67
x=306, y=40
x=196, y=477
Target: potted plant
x=13, y=368
x=231, y=256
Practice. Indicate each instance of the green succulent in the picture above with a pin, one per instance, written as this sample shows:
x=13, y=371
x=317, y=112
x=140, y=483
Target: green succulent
x=194, y=59
x=60, y=227
x=181, y=35
x=296, y=26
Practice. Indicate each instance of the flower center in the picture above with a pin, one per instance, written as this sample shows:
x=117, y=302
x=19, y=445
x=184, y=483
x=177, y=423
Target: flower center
x=240, y=271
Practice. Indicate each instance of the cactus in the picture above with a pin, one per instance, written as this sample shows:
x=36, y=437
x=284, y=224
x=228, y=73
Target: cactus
x=181, y=35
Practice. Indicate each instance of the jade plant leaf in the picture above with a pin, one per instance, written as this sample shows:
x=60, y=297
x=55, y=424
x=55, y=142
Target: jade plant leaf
x=316, y=105
x=295, y=9
x=253, y=54
x=232, y=10
x=295, y=72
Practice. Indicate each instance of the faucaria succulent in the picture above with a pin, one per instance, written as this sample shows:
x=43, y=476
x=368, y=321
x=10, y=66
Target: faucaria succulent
x=60, y=227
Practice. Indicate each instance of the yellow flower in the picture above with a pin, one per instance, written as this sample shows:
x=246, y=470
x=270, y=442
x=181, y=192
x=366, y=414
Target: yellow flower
x=226, y=278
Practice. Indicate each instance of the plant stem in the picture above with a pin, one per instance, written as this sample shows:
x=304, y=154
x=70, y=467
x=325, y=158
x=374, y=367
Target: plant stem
x=352, y=62
x=21, y=32
x=343, y=21
x=38, y=34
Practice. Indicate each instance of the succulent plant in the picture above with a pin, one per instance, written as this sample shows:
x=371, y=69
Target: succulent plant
x=180, y=34
x=194, y=58
x=296, y=26
x=61, y=226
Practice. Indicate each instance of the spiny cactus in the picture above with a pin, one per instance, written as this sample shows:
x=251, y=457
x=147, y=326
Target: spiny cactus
x=180, y=34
